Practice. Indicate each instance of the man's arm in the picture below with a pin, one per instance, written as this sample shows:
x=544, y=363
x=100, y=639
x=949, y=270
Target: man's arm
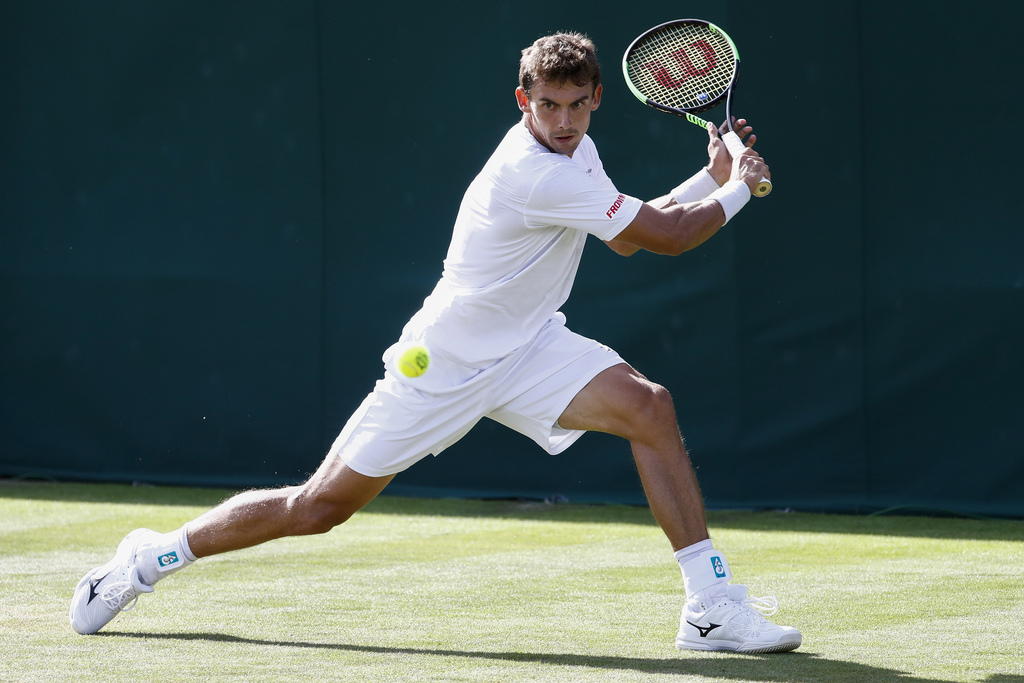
x=664, y=226
x=625, y=248
x=672, y=230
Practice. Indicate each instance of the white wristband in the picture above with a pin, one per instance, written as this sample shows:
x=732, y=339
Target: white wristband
x=732, y=196
x=696, y=188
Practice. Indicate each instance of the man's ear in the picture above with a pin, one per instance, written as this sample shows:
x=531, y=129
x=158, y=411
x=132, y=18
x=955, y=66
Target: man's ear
x=522, y=100
x=597, y=97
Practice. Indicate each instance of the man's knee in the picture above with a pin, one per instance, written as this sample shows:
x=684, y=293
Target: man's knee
x=654, y=405
x=331, y=496
x=316, y=514
x=646, y=412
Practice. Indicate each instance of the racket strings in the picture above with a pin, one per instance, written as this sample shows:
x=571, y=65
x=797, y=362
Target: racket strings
x=685, y=66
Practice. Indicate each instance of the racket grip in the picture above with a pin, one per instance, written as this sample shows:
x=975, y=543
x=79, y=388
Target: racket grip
x=736, y=147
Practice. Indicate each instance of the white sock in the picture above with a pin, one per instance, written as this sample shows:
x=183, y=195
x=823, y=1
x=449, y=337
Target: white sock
x=706, y=575
x=169, y=553
x=692, y=551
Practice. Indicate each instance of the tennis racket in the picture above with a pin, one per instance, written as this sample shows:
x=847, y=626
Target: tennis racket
x=686, y=67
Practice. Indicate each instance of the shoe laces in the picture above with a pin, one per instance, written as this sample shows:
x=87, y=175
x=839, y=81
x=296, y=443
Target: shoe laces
x=766, y=605
x=120, y=595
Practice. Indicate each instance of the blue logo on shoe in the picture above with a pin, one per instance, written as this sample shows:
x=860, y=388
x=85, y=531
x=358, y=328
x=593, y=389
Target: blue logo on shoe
x=168, y=560
x=716, y=562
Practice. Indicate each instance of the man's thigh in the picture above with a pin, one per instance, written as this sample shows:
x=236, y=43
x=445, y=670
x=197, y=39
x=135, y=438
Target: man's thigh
x=610, y=402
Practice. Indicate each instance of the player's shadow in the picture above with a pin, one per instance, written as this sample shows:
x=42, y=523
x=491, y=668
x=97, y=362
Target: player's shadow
x=794, y=667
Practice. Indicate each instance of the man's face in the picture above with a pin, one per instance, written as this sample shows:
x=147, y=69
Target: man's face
x=559, y=115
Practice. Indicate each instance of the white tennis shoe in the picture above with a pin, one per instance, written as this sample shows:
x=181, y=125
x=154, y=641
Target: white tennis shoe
x=110, y=589
x=736, y=624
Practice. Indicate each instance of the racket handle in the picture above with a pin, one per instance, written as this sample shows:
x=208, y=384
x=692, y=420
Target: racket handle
x=736, y=147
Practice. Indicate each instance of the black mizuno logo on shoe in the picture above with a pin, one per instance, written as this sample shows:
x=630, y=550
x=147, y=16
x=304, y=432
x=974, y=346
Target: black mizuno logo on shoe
x=703, y=630
x=92, y=588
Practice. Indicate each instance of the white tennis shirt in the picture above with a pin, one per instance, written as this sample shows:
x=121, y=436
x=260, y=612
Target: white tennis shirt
x=516, y=247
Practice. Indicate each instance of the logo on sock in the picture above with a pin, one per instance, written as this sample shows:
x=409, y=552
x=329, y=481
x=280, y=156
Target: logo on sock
x=716, y=562
x=168, y=560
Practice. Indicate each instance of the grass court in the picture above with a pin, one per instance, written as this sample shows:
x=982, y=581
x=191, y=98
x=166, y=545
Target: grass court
x=458, y=590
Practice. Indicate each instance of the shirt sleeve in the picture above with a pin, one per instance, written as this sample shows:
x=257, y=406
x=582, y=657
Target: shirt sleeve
x=567, y=196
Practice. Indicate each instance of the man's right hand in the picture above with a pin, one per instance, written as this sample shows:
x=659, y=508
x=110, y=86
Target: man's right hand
x=720, y=161
x=749, y=167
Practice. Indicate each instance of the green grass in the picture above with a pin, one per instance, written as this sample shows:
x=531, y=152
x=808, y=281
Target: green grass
x=445, y=590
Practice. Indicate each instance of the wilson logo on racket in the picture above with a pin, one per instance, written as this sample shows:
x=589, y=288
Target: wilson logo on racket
x=689, y=69
x=661, y=69
x=616, y=206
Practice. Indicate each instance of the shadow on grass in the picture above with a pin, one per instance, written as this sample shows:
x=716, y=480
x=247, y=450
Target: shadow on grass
x=795, y=667
x=912, y=526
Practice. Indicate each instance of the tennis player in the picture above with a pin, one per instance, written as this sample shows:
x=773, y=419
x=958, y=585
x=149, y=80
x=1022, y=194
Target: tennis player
x=500, y=349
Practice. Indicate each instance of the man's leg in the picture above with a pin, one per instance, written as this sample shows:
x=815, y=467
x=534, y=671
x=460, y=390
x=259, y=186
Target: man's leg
x=717, y=616
x=327, y=499
x=623, y=402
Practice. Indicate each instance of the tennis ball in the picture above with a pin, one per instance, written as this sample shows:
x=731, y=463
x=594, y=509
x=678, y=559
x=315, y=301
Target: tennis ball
x=414, y=361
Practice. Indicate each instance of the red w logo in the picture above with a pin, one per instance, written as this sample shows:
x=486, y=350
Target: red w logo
x=682, y=58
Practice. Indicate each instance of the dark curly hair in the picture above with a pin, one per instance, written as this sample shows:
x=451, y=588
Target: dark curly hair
x=559, y=58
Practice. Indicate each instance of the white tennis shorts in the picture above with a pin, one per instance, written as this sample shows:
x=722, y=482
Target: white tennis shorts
x=403, y=420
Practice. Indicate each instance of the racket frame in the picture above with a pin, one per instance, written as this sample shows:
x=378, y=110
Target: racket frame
x=730, y=138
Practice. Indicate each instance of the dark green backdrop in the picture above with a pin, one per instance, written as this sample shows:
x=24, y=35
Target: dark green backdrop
x=215, y=216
